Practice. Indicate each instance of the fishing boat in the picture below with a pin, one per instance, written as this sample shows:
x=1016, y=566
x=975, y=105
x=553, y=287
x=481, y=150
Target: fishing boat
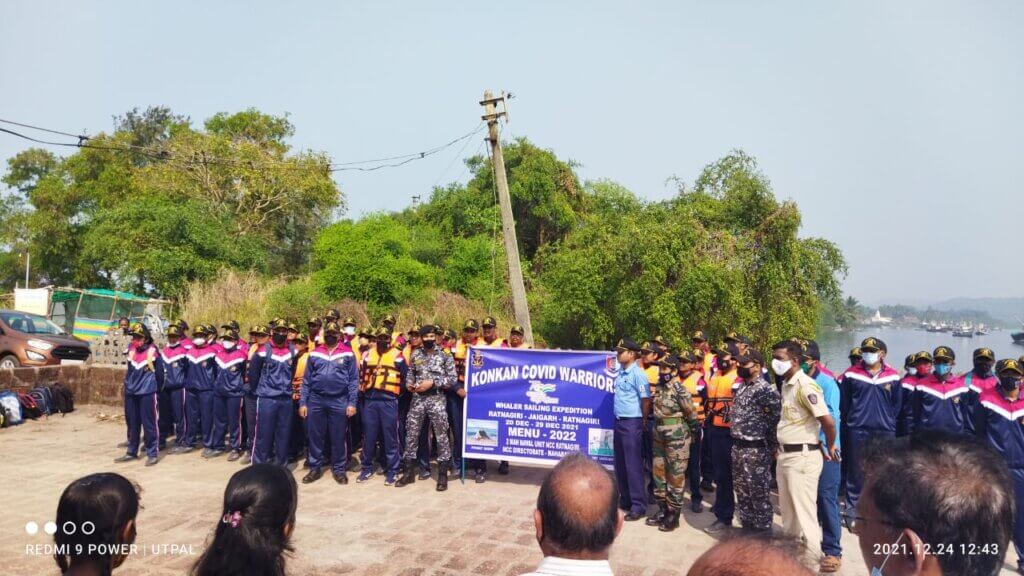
x=1018, y=338
x=982, y=330
x=964, y=331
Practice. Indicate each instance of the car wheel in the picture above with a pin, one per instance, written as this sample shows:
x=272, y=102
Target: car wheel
x=9, y=361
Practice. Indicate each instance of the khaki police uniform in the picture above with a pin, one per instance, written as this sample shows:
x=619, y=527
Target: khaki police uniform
x=800, y=458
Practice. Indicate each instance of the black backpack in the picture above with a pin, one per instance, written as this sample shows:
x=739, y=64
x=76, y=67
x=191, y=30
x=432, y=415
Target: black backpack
x=29, y=408
x=63, y=399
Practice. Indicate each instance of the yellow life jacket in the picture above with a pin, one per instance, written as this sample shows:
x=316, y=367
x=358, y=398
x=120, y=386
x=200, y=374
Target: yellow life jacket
x=382, y=370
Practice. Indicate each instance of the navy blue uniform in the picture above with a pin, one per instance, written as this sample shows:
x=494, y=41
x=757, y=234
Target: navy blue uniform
x=199, y=377
x=270, y=375
x=940, y=405
x=141, y=383
x=175, y=363
x=871, y=406
x=1000, y=423
x=329, y=387
x=229, y=398
x=385, y=378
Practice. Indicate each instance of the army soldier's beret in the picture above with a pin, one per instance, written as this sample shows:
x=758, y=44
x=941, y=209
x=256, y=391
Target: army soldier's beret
x=627, y=344
x=985, y=353
x=943, y=353
x=669, y=362
x=872, y=344
x=490, y=322
x=1009, y=365
x=471, y=325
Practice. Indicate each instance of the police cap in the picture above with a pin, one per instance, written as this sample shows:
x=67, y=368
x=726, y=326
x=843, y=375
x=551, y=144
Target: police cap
x=348, y=321
x=628, y=344
x=1009, y=365
x=669, y=362
x=872, y=344
x=699, y=336
x=490, y=322
x=944, y=353
x=332, y=326
x=517, y=329
x=984, y=353
x=471, y=325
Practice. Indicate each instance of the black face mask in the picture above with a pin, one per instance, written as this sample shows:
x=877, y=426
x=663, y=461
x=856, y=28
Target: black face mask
x=744, y=373
x=665, y=378
x=429, y=344
x=1009, y=383
x=983, y=369
x=330, y=339
x=279, y=339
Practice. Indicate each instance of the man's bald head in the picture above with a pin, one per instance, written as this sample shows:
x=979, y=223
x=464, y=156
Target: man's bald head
x=747, y=557
x=577, y=512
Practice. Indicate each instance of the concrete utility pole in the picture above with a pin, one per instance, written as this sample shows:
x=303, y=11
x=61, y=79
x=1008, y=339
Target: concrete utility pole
x=508, y=223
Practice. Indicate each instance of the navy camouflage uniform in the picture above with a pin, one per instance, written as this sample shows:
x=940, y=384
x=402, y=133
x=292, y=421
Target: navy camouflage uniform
x=756, y=409
x=439, y=366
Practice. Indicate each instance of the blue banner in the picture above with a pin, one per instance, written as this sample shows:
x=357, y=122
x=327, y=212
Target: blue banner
x=535, y=406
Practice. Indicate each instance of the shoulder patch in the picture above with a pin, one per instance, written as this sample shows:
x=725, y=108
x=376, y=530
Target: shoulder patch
x=812, y=398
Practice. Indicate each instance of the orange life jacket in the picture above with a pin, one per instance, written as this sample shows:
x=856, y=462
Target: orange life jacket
x=720, y=398
x=382, y=371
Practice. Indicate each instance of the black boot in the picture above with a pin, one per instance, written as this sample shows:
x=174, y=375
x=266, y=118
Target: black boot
x=442, y=477
x=408, y=477
x=656, y=518
x=671, y=520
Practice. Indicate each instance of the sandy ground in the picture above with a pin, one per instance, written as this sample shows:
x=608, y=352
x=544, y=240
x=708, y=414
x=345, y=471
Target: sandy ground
x=354, y=529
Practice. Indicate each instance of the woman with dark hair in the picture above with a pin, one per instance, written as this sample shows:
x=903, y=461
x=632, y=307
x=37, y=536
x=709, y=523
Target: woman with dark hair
x=95, y=524
x=142, y=381
x=253, y=532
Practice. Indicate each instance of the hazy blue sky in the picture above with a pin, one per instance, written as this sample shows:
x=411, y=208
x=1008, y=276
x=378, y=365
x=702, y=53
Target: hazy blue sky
x=896, y=126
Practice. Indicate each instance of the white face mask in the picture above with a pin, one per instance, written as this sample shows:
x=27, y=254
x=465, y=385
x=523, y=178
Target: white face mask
x=227, y=345
x=781, y=367
x=912, y=371
x=870, y=358
x=349, y=330
x=199, y=341
x=878, y=571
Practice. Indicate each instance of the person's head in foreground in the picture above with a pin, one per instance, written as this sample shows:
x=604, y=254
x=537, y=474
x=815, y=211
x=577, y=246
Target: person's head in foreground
x=577, y=515
x=253, y=531
x=934, y=503
x=95, y=524
x=747, y=557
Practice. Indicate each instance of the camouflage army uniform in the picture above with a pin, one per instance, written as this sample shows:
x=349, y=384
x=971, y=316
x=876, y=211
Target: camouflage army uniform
x=436, y=365
x=755, y=415
x=674, y=417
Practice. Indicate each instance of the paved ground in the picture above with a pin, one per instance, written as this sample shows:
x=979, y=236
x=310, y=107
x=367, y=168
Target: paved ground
x=354, y=529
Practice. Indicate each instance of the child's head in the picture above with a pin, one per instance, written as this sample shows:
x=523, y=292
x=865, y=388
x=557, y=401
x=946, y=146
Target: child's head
x=255, y=525
x=95, y=520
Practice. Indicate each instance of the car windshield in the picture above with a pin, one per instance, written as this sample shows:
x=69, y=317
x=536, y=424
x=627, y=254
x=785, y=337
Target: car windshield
x=30, y=323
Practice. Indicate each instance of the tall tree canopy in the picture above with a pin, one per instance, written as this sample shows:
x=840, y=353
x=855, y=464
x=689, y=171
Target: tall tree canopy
x=156, y=203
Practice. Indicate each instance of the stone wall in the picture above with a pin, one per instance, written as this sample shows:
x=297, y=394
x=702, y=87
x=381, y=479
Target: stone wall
x=90, y=383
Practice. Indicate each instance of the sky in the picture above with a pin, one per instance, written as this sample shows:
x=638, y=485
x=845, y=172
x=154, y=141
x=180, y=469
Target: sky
x=897, y=127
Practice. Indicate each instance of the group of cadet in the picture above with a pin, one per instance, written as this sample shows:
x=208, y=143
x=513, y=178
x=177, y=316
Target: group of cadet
x=723, y=419
x=282, y=395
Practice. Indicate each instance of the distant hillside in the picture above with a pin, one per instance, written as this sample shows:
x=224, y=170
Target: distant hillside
x=1004, y=309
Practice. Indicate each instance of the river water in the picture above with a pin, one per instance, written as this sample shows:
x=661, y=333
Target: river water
x=835, y=346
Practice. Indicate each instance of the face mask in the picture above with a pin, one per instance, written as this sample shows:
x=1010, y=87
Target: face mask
x=983, y=369
x=199, y=341
x=349, y=330
x=1009, y=382
x=173, y=344
x=279, y=339
x=942, y=369
x=912, y=371
x=870, y=358
x=744, y=373
x=331, y=339
x=924, y=370
x=429, y=344
x=805, y=367
x=781, y=367
x=878, y=571
x=665, y=378
x=227, y=344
